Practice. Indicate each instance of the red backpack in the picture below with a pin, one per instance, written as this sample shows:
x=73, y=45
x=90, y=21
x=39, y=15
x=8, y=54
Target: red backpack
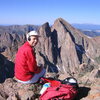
x=59, y=91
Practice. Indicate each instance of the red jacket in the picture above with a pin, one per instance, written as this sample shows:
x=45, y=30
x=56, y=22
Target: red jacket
x=25, y=63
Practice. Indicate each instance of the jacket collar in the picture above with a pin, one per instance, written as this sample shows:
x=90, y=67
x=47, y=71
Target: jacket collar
x=27, y=43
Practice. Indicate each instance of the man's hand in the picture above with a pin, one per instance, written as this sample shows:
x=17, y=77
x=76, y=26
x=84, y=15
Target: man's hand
x=39, y=68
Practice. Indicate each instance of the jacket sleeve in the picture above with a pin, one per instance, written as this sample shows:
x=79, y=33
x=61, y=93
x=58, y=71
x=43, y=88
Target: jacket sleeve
x=31, y=62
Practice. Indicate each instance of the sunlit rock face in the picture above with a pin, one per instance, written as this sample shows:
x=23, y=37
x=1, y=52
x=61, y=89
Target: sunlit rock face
x=65, y=48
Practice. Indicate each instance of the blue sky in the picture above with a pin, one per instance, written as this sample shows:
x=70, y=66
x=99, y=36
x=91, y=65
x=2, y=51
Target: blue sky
x=40, y=11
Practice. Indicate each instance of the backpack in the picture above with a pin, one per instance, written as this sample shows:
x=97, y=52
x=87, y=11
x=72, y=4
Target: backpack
x=59, y=91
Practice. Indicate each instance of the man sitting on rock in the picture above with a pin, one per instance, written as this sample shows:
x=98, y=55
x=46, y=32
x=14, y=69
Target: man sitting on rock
x=26, y=69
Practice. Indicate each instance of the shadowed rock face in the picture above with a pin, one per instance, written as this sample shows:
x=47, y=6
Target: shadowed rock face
x=6, y=69
x=44, y=48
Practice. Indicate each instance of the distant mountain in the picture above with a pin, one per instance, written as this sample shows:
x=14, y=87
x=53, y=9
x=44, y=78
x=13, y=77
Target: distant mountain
x=19, y=29
x=91, y=33
x=88, y=29
x=87, y=26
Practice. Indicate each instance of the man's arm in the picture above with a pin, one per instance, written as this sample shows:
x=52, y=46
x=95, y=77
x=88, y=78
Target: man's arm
x=32, y=64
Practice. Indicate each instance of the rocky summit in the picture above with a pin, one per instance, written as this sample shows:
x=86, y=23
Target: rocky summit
x=62, y=49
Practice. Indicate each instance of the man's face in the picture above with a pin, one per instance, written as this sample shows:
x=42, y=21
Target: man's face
x=33, y=41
